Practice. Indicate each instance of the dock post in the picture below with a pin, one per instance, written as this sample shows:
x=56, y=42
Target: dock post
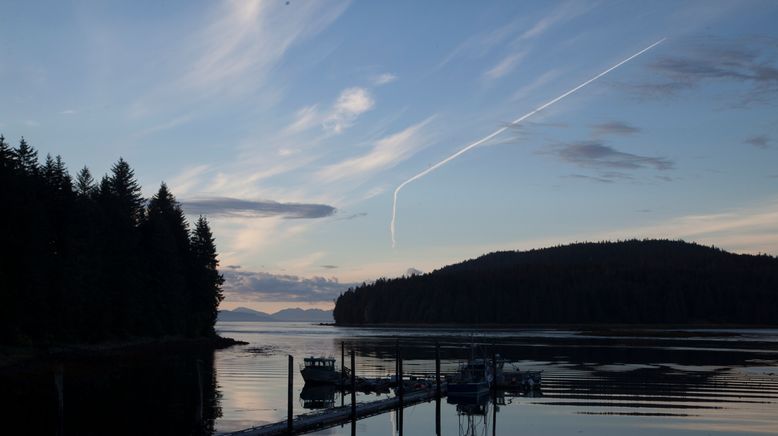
x=353, y=388
x=437, y=416
x=494, y=372
x=401, y=388
x=342, y=363
x=289, y=396
x=494, y=391
x=437, y=370
x=400, y=384
x=397, y=364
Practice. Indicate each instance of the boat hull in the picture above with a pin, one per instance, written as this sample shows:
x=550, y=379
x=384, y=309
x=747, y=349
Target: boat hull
x=320, y=376
x=468, y=389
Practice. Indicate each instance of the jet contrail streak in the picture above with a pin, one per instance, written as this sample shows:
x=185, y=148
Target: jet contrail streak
x=502, y=129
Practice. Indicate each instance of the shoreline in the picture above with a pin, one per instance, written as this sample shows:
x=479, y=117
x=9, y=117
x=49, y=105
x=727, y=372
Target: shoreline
x=14, y=356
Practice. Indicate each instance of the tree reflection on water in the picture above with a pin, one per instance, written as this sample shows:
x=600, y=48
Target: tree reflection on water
x=167, y=391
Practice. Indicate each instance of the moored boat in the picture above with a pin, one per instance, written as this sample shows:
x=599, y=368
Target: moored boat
x=320, y=370
x=474, y=378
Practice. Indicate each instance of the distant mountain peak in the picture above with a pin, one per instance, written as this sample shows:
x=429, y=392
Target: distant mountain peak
x=242, y=309
x=290, y=315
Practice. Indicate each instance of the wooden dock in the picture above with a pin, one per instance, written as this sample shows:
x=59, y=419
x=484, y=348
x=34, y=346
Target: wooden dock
x=340, y=415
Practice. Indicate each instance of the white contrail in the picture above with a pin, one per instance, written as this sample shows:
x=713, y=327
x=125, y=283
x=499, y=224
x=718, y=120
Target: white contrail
x=502, y=129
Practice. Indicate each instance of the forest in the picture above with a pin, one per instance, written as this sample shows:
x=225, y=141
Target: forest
x=88, y=261
x=624, y=282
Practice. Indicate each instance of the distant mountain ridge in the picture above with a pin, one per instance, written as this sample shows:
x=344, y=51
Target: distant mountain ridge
x=625, y=282
x=244, y=314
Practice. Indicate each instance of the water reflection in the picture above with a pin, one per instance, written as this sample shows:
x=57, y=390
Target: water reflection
x=171, y=390
x=318, y=396
x=661, y=384
x=473, y=414
x=592, y=384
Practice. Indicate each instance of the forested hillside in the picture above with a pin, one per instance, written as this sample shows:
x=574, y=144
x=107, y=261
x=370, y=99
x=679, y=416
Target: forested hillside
x=95, y=261
x=646, y=282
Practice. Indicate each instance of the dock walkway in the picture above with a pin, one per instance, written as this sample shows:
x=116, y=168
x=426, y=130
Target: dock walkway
x=340, y=415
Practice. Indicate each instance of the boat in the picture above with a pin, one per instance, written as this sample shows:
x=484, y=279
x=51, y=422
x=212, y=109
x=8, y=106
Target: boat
x=479, y=374
x=320, y=370
x=473, y=379
x=524, y=380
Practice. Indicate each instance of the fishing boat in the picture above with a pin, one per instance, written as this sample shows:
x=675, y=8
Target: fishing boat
x=518, y=379
x=320, y=370
x=473, y=379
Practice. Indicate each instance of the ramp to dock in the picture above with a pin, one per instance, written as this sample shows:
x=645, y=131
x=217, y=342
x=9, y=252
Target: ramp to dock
x=340, y=415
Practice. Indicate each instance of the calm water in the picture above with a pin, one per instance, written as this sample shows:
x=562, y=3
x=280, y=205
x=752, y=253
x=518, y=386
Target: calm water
x=723, y=382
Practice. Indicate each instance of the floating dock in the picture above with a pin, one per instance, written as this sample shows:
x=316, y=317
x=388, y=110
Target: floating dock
x=340, y=415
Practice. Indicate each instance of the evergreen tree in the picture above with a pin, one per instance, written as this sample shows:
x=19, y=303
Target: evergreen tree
x=56, y=176
x=125, y=193
x=64, y=183
x=6, y=156
x=85, y=184
x=208, y=282
x=26, y=158
x=123, y=273
x=166, y=246
x=87, y=263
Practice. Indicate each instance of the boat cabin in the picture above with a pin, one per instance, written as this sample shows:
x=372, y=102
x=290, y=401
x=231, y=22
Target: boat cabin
x=326, y=363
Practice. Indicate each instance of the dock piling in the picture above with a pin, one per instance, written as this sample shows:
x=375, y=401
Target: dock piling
x=437, y=370
x=494, y=392
x=437, y=388
x=353, y=387
x=289, y=414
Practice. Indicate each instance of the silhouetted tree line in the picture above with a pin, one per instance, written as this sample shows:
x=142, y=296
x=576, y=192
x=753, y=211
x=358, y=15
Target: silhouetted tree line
x=93, y=261
x=642, y=282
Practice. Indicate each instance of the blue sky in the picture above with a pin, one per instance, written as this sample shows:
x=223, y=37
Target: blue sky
x=290, y=124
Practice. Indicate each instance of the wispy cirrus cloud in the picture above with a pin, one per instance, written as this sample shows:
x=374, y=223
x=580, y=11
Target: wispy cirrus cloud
x=505, y=66
x=383, y=79
x=560, y=14
x=537, y=83
x=515, y=34
x=304, y=119
x=385, y=153
x=482, y=43
x=237, y=47
x=226, y=206
x=249, y=37
x=351, y=103
x=750, y=229
x=593, y=154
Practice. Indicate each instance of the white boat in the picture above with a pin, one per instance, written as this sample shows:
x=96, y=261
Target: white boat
x=320, y=370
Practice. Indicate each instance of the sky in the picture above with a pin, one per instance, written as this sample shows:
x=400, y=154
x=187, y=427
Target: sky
x=290, y=124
